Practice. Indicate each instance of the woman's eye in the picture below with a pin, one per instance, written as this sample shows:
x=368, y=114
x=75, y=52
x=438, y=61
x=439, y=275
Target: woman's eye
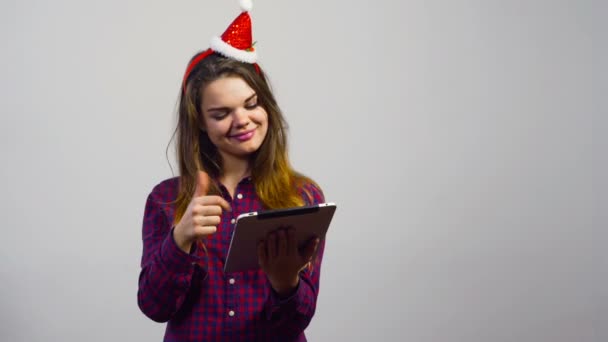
x=251, y=105
x=219, y=117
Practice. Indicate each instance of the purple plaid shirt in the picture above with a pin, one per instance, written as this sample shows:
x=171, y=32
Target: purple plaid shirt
x=202, y=303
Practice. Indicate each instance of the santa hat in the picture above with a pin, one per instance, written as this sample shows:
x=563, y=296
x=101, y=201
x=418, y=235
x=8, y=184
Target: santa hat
x=236, y=42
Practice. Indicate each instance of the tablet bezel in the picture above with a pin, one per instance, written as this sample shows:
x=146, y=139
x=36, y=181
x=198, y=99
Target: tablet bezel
x=252, y=227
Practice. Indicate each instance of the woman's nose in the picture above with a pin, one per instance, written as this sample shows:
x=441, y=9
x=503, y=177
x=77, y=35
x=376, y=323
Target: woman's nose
x=241, y=117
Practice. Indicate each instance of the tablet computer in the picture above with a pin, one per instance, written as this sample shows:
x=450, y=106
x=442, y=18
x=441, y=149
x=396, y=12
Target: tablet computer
x=250, y=228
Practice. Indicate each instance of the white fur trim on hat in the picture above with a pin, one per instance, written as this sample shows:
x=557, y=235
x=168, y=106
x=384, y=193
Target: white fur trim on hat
x=218, y=45
x=246, y=5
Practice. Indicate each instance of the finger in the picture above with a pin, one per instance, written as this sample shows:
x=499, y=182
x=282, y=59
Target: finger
x=262, y=258
x=202, y=184
x=281, y=243
x=310, y=249
x=224, y=204
x=202, y=231
x=215, y=200
x=271, y=246
x=292, y=245
x=208, y=220
x=306, y=265
x=211, y=210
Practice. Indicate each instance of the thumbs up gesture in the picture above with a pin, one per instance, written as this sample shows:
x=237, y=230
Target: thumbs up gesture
x=201, y=217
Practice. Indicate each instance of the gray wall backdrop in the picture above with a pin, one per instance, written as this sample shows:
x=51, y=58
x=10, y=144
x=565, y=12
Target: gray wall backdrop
x=462, y=141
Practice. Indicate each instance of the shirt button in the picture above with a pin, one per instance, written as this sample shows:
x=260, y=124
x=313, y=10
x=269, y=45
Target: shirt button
x=239, y=196
x=231, y=313
x=232, y=221
x=231, y=281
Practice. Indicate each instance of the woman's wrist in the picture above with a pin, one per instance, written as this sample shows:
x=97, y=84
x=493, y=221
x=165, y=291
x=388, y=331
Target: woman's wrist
x=286, y=288
x=181, y=241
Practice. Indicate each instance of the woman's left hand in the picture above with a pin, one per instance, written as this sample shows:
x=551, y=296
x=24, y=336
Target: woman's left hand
x=281, y=260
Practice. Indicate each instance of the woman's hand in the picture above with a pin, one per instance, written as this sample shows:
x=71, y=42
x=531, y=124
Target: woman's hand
x=201, y=217
x=281, y=260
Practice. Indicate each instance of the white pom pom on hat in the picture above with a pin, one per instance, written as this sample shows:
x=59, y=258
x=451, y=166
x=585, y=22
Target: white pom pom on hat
x=246, y=5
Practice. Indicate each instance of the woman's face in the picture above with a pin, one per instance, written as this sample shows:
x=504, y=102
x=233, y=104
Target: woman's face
x=232, y=118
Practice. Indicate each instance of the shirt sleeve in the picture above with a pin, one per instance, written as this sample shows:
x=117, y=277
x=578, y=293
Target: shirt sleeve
x=288, y=317
x=166, y=271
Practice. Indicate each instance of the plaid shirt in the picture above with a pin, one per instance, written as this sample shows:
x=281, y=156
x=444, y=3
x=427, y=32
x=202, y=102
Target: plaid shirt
x=193, y=294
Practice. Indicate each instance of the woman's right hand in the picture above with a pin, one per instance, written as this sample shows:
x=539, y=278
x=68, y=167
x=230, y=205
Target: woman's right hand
x=201, y=217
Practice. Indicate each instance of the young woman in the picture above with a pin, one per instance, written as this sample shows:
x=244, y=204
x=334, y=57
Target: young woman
x=232, y=153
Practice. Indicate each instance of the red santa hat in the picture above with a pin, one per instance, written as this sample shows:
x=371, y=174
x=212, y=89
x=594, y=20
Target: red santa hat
x=236, y=42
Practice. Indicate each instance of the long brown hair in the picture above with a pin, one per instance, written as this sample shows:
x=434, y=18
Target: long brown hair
x=276, y=183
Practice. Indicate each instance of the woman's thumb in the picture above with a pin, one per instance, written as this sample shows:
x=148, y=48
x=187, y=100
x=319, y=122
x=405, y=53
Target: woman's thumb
x=202, y=184
x=311, y=248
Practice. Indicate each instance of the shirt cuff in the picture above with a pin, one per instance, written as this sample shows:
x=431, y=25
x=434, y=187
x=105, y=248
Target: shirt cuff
x=176, y=259
x=276, y=300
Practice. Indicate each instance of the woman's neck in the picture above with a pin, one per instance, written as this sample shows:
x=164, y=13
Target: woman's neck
x=234, y=169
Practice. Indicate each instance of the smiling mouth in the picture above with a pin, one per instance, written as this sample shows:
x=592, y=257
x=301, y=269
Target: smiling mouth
x=243, y=136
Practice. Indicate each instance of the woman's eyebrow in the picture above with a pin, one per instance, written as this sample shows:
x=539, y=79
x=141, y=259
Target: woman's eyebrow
x=251, y=97
x=218, y=109
x=221, y=109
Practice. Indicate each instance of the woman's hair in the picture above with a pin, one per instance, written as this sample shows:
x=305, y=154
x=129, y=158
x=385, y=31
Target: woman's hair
x=276, y=183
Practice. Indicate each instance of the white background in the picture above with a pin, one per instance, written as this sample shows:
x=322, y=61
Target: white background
x=462, y=141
